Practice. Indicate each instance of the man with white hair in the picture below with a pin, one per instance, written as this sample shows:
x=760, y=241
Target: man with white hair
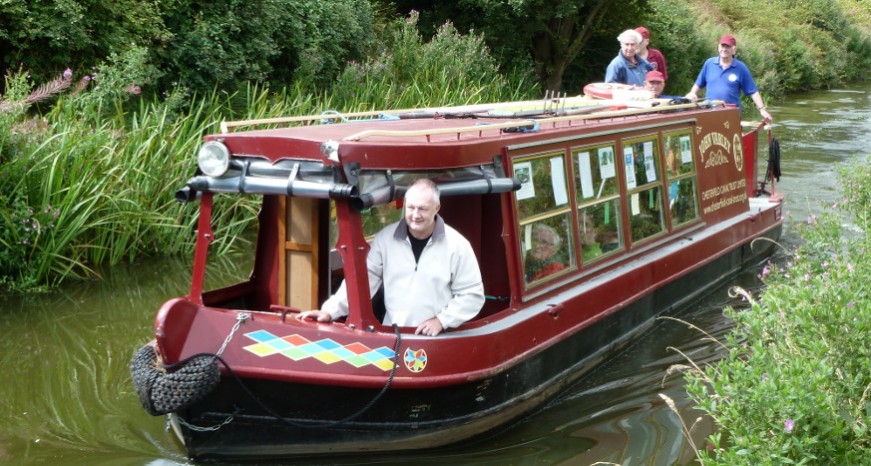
x=627, y=67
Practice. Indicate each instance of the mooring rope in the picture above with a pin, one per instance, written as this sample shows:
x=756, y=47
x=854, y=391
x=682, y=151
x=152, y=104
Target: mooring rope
x=337, y=422
x=240, y=318
x=270, y=412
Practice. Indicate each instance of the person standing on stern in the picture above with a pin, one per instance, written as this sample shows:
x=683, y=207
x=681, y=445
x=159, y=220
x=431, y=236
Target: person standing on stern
x=726, y=78
x=654, y=56
x=429, y=270
x=627, y=67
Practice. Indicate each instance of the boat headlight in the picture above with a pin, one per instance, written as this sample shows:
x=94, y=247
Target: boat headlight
x=214, y=158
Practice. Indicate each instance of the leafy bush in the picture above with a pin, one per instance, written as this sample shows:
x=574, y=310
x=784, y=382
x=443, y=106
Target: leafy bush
x=199, y=44
x=46, y=37
x=794, y=387
x=407, y=72
x=226, y=43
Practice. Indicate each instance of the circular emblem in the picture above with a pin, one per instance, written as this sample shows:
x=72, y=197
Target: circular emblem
x=733, y=77
x=415, y=360
x=738, y=152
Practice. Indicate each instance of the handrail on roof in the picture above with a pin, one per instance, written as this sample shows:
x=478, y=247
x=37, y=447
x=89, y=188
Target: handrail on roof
x=226, y=125
x=539, y=121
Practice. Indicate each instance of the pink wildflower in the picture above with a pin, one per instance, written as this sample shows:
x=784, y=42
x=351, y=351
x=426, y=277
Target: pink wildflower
x=788, y=425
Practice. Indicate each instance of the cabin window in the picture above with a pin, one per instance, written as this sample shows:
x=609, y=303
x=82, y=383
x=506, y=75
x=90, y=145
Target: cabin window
x=597, y=195
x=377, y=217
x=680, y=170
x=545, y=216
x=644, y=188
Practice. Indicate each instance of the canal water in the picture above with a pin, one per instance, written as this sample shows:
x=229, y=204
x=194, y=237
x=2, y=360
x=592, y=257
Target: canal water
x=66, y=396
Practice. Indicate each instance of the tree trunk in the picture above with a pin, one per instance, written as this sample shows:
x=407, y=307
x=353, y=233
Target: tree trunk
x=562, y=41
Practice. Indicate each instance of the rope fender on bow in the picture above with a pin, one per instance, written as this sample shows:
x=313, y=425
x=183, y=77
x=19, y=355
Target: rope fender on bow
x=164, y=389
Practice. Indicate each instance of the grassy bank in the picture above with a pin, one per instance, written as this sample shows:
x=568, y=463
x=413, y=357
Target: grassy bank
x=89, y=167
x=794, y=387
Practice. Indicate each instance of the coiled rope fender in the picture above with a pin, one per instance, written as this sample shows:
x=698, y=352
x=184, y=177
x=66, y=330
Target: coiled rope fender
x=162, y=392
x=167, y=389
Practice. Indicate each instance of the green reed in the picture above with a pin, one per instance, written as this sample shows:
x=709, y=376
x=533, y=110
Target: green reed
x=92, y=182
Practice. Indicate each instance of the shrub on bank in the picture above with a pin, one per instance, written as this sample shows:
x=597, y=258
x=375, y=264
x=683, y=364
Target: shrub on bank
x=794, y=387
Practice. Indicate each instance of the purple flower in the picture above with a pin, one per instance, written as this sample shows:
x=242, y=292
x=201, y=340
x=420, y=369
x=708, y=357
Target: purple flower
x=765, y=378
x=851, y=304
x=68, y=73
x=850, y=267
x=788, y=425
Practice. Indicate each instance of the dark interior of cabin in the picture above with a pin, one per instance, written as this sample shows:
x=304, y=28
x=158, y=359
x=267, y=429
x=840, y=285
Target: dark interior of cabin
x=477, y=217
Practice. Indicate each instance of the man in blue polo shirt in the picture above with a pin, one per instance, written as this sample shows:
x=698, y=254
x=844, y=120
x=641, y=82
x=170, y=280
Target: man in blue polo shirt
x=726, y=78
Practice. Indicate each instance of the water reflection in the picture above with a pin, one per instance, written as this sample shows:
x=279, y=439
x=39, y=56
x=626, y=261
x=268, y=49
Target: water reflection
x=818, y=130
x=67, y=397
x=65, y=360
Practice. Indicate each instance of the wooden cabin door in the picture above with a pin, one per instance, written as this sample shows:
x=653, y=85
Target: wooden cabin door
x=298, y=286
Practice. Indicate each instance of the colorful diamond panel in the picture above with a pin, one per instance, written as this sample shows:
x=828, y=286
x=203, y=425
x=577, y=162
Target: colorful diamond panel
x=327, y=351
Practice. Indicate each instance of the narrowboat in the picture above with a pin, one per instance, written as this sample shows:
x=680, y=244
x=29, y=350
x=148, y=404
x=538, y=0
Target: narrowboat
x=650, y=206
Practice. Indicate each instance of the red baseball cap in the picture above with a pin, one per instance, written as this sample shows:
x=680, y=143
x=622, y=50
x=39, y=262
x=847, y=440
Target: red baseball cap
x=654, y=76
x=643, y=31
x=728, y=39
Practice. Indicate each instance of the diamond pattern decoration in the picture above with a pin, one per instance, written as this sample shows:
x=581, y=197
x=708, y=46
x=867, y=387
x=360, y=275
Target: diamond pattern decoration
x=297, y=348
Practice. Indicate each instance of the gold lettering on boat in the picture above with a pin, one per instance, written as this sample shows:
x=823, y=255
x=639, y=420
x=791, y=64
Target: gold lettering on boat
x=709, y=143
x=716, y=158
x=729, y=193
x=739, y=152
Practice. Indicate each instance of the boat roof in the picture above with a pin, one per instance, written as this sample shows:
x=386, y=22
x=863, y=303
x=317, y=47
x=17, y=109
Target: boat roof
x=503, y=124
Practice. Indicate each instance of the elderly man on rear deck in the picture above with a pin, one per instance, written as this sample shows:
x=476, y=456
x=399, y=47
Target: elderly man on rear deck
x=628, y=67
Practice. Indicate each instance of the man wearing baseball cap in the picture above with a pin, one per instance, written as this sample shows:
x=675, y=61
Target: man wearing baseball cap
x=726, y=78
x=654, y=82
x=651, y=54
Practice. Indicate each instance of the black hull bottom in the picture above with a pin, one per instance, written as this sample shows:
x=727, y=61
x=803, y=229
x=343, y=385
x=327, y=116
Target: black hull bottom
x=440, y=416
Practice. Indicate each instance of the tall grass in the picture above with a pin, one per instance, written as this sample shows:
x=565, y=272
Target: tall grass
x=91, y=181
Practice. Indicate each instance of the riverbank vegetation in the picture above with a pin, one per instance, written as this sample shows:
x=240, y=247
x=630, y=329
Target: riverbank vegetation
x=91, y=180
x=795, y=384
x=90, y=157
